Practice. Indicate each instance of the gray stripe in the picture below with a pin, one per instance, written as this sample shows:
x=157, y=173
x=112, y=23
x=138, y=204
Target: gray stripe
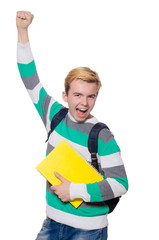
x=118, y=171
x=31, y=82
x=81, y=127
x=48, y=185
x=105, y=190
x=45, y=106
x=105, y=135
x=49, y=148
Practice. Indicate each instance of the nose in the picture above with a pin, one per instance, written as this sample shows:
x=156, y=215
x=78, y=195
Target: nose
x=84, y=101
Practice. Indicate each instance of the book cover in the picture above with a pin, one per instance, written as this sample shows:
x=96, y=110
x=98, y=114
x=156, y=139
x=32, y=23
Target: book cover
x=65, y=160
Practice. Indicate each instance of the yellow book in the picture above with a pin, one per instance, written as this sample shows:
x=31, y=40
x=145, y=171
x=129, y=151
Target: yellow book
x=69, y=164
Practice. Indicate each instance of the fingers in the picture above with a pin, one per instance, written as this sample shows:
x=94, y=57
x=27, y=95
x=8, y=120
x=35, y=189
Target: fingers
x=62, y=179
x=24, y=15
x=62, y=190
x=59, y=176
x=53, y=187
x=21, y=14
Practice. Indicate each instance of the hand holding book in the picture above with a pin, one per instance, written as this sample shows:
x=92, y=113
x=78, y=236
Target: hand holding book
x=62, y=190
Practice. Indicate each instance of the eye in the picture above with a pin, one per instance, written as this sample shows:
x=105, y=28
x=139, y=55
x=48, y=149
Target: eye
x=77, y=94
x=92, y=96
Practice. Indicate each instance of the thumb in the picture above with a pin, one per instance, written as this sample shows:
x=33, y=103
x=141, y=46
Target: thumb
x=62, y=179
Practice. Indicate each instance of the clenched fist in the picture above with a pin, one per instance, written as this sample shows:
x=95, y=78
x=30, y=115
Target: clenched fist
x=24, y=19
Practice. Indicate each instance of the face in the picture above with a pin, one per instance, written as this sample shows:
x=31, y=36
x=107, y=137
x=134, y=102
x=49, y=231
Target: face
x=81, y=99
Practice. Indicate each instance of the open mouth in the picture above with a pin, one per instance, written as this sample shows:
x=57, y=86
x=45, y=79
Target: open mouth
x=82, y=110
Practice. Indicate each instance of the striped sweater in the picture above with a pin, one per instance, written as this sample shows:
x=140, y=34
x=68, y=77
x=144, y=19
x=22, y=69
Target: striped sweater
x=92, y=213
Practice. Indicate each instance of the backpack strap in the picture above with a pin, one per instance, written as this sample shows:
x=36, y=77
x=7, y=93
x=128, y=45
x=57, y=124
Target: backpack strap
x=93, y=149
x=56, y=120
x=93, y=142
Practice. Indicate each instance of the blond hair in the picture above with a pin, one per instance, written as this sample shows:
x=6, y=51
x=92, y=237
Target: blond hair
x=82, y=73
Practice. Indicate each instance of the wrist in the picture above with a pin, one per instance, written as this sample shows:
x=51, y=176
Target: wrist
x=23, y=35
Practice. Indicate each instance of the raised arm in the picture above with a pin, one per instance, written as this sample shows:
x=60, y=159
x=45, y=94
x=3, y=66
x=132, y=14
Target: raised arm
x=45, y=104
x=23, y=21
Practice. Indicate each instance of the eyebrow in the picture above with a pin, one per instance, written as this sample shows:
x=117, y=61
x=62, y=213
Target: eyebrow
x=77, y=93
x=91, y=95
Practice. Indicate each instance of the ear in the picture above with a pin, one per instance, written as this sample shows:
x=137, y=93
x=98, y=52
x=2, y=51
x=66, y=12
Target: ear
x=64, y=96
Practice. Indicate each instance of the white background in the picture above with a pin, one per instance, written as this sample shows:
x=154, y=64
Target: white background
x=119, y=40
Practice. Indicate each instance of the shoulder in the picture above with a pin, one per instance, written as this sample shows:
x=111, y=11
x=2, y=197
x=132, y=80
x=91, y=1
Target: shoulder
x=105, y=135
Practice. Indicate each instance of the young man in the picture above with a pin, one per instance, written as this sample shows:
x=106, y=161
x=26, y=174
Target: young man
x=89, y=220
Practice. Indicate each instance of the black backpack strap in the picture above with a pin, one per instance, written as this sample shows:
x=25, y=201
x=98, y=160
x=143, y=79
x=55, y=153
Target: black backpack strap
x=112, y=203
x=93, y=142
x=56, y=120
x=93, y=149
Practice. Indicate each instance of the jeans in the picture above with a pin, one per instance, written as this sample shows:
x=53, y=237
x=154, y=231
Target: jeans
x=52, y=230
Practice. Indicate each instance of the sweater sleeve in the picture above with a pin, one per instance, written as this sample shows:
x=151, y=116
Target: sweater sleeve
x=46, y=106
x=115, y=183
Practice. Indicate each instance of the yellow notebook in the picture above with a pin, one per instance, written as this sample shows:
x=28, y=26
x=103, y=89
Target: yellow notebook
x=67, y=162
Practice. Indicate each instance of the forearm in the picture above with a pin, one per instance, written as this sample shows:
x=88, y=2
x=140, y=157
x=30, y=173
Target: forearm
x=99, y=192
x=23, y=35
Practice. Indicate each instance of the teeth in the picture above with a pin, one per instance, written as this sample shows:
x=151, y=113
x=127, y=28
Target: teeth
x=83, y=110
